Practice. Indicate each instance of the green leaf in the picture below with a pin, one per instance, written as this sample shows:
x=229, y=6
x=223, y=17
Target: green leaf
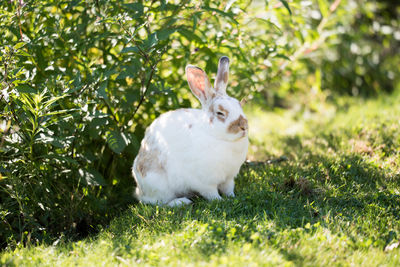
x=76, y=83
x=52, y=100
x=101, y=121
x=168, y=6
x=285, y=3
x=23, y=53
x=269, y=23
x=190, y=36
x=101, y=91
x=151, y=41
x=225, y=14
x=59, y=119
x=130, y=49
x=24, y=88
x=130, y=70
x=134, y=145
x=323, y=7
x=137, y=8
x=282, y=56
x=132, y=95
x=116, y=141
x=63, y=158
x=58, y=112
x=163, y=34
x=167, y=22
x=19, y=45
x=91, y=177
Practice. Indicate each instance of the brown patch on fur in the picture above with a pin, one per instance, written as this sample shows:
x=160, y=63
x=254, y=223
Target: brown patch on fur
x=221, y=119
x=148, y=160
x=211, y=109
x=223, y=110
x=238, y=125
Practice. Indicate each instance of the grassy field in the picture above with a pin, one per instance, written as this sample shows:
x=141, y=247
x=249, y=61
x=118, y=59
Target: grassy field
x=323, y=189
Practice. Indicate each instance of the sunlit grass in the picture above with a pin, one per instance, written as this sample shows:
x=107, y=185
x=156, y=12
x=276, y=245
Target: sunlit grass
x=334, y=199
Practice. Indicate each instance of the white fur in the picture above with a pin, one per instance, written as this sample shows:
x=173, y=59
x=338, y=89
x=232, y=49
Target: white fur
x=197, y=154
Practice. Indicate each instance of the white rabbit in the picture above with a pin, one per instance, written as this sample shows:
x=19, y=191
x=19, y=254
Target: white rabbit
x=194, y=150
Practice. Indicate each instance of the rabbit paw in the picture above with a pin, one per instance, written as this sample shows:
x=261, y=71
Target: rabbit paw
x=179, y=201
x=227, y=188
x=210, y=194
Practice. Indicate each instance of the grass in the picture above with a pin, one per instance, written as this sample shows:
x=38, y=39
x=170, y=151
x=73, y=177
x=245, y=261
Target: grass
x=324, y=191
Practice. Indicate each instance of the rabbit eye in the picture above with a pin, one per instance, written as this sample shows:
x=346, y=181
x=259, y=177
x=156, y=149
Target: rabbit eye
x=221, y=114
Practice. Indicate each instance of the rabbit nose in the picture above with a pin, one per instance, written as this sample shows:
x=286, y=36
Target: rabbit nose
x=243, y=123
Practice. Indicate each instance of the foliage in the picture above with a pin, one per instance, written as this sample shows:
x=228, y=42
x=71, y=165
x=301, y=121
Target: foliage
x=365, y=57
x=346, y=47
x=334, y=201
x=81, y=80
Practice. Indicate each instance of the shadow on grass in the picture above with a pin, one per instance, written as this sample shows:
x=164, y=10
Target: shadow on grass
x=329, y=189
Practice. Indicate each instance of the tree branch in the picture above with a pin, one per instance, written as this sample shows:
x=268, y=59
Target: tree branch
x=144, y=91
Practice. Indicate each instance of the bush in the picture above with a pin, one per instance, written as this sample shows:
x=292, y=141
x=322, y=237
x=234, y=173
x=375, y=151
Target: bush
x=365, y=58
x=346, y=47
x=81, y=80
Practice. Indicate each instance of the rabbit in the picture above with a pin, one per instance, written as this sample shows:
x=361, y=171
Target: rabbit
x=189, y=151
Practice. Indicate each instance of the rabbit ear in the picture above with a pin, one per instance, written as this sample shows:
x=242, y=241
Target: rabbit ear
x=222, y=75
x=199, y=83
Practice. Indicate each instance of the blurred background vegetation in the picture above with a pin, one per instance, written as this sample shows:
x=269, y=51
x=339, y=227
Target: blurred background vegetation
x=81, y=80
